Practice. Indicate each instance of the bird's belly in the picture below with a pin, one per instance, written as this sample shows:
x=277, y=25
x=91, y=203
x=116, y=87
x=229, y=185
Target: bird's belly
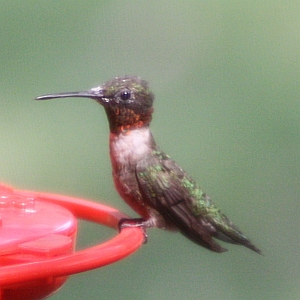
x=128, y=189
x=130, y=193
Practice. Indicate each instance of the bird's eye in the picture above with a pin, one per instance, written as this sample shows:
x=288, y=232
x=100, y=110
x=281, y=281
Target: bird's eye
x=125, y=95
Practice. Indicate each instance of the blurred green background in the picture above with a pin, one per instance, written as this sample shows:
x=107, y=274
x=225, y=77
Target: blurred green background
x=226, y=78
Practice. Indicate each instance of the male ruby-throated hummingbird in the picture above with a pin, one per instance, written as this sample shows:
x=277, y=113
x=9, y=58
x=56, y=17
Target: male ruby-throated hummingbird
x=160, y=191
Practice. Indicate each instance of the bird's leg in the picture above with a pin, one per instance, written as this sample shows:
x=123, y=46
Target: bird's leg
x=138, y=222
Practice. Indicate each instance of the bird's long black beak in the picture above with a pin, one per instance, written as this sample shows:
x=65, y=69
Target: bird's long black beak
x=66, y=95
x=95, y=93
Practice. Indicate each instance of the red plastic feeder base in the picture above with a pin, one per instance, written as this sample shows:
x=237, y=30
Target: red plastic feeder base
x=37, y=239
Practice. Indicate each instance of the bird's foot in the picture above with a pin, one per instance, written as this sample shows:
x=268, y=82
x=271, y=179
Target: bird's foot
x=131, y=223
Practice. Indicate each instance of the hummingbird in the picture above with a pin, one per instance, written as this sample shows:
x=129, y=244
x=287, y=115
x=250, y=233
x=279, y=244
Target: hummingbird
x=147, y=179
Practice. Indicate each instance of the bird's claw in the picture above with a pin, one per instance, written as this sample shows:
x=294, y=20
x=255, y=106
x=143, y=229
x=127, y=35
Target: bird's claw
x=133, y=223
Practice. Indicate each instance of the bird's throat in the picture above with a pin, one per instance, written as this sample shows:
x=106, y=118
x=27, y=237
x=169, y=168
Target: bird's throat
x=125, y=119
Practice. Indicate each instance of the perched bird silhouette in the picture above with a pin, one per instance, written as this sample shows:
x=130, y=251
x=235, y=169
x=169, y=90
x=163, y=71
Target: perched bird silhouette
x=160, y=191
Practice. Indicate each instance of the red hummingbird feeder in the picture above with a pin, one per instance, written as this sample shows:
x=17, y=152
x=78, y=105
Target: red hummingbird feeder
x=37, y=241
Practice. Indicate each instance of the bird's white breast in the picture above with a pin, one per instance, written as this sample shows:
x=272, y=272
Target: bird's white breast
x=130, y=146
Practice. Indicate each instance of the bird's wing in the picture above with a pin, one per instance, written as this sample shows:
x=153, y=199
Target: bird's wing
x=169, y=190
